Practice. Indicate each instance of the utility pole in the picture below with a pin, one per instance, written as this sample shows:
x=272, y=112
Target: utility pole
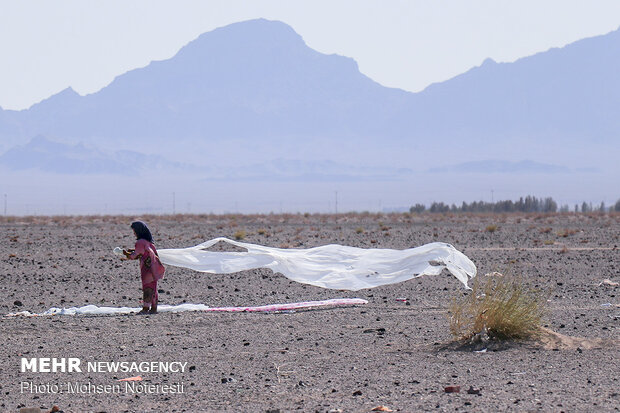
x=336, y=207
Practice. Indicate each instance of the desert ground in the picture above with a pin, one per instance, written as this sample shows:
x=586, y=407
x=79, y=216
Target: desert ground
x=390, y=352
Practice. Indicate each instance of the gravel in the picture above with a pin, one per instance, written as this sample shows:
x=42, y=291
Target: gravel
x=390, y=352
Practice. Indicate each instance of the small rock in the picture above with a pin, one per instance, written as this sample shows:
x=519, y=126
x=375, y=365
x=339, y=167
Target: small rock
x=382, y=409
x=471, y=390
x=452, y=389
x=19, y=304
x=379, y=331
x=481, y=337
x=357, y=393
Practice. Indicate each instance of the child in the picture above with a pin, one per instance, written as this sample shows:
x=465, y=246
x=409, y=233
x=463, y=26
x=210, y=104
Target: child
x=151, y=268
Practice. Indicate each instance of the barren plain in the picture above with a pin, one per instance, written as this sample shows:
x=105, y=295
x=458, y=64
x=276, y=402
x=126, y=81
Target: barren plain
x=395, y=351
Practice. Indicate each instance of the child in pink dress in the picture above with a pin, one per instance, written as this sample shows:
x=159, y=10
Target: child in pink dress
x=151, y=268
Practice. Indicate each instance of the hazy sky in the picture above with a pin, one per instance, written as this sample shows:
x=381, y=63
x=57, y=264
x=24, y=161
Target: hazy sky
x=46, y=46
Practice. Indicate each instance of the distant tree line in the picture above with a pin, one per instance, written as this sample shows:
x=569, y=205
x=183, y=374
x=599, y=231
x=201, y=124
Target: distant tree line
x=527, y=204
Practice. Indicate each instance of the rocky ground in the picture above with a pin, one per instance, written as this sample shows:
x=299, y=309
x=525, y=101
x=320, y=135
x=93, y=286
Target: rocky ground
x=388, y=352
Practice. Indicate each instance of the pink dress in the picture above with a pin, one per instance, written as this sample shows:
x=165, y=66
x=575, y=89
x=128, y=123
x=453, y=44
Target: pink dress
x=151, y=268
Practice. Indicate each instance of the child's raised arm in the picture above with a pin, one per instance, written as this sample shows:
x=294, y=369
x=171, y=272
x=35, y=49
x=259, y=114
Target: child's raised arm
x=137, y=253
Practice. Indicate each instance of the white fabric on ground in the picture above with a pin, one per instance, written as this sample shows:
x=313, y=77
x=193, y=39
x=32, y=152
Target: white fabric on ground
x=329, y=266
x=95, y=310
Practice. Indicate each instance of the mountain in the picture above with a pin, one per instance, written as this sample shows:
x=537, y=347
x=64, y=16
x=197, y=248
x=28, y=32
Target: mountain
x=254, y=91
x=499, y=166
x=42, y=155
x=252, y=80
x=563, y=94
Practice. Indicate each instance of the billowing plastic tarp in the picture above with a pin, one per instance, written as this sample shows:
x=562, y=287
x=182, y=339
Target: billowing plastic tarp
x=330, y=266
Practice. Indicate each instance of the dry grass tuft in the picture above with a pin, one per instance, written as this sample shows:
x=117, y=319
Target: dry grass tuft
x=566, y=233
x=239, y=235
x=502, y=307
x=491, y=228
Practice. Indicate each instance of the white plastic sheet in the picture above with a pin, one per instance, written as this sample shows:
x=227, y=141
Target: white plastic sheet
x=329, y=266
x=96, y=310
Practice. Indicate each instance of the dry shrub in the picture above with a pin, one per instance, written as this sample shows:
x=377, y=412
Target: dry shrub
x=239, y=235
x=566, y=233
x=359, y=230
x=506, y=307
x=491, y=228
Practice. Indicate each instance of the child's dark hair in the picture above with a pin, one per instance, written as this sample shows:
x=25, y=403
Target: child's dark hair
x=142, y=231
